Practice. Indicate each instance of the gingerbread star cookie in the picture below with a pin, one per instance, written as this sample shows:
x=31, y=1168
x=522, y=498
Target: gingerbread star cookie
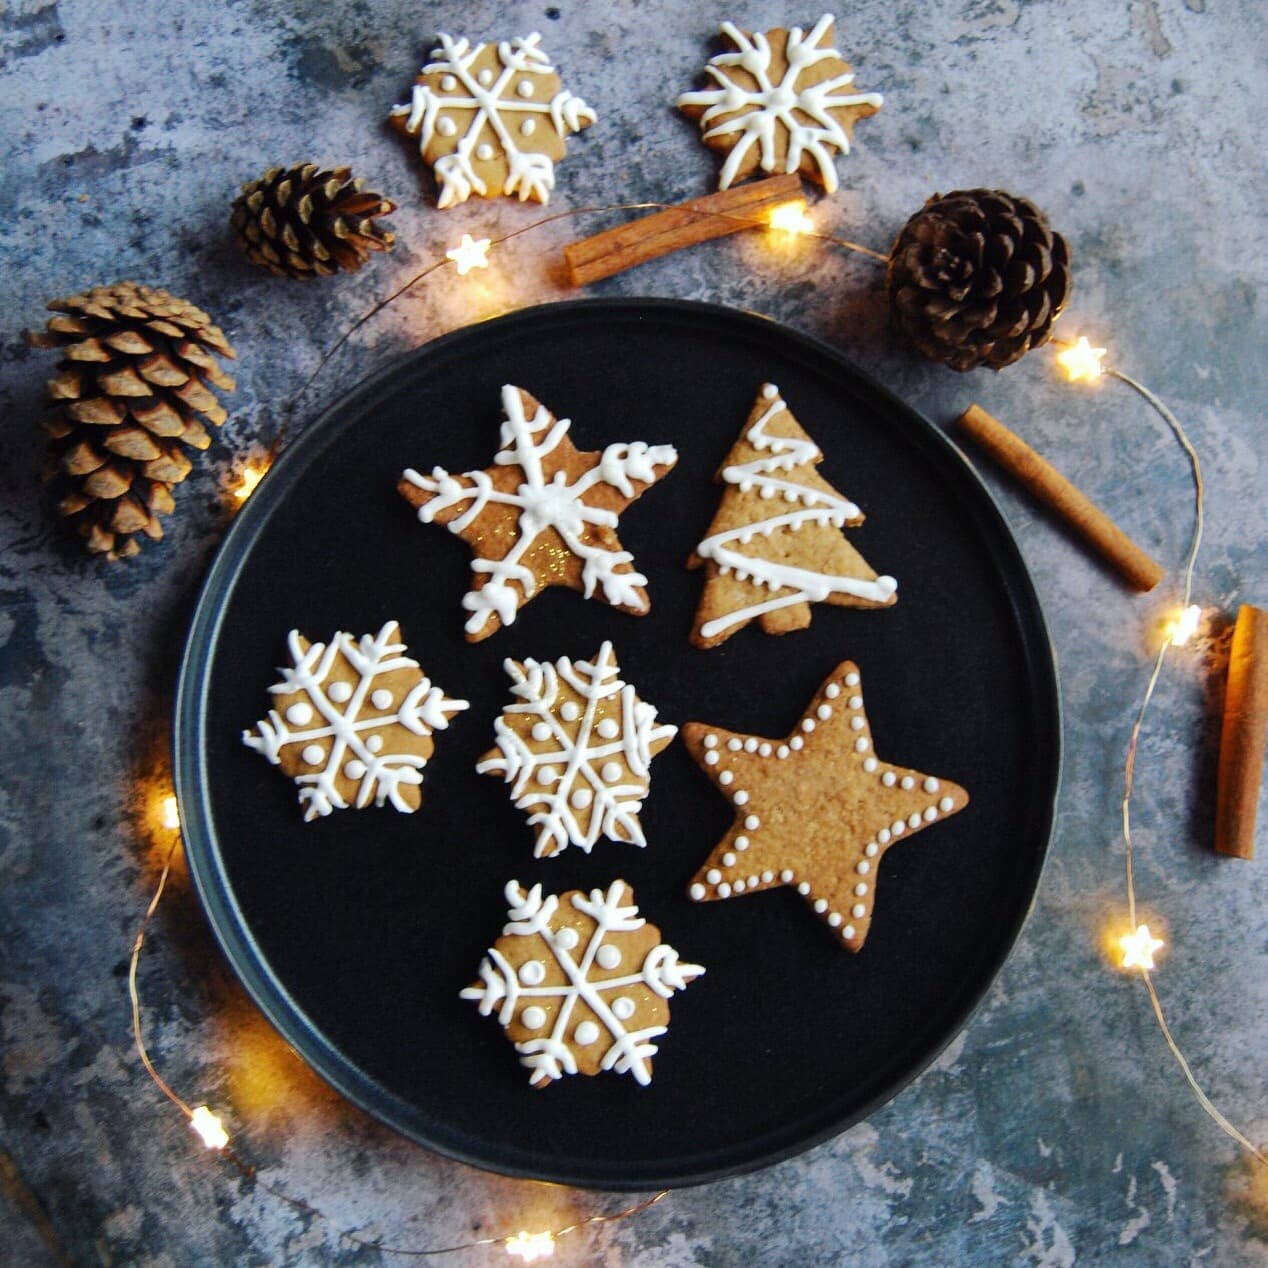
x=782, y=103
x=543, y=514
x=491, y=119
x=816, y=810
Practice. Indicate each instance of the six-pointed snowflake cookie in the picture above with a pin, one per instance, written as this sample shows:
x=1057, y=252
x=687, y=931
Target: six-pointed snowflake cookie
x=815, y=810
x=544, y=514
x=491, y=119
x=576, y=748
x=580, y=982
x=351, y=721
x=782, y=102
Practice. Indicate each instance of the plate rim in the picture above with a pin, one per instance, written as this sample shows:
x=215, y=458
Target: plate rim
x=232, y=932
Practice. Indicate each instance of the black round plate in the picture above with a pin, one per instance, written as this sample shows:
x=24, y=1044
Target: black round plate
x=356, y=932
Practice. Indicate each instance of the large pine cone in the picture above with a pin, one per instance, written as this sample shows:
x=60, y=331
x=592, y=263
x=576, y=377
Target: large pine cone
x=129, y=391
x=976, y=277
x=304, y=222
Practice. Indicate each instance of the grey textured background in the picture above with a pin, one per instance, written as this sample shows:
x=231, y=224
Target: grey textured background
x=1056, y=1129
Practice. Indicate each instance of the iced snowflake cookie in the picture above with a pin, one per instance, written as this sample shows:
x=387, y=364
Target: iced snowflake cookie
x=543, y=514
x=816, y=810
x=576, y=748
x=782, y=103
x=352, y=720
x=491, y=119
x=775, y=545
x=580, y=983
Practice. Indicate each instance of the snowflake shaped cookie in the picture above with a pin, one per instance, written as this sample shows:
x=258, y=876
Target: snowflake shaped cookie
x=544, y=514
x=351, y=721
x=491, y=119
x=782, y=103
x=580, y=983
x=576, y=749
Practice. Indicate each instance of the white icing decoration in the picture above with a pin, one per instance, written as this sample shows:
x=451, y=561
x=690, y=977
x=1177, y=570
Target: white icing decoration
x=740, y=798
x=300, y=714
x=763, y=750
x=609, y=728
x=579, y=750
x=586, y=1033
x=533, y=1017
x=832, y=691
x=623, y=1008
x=383, y=776
x=608, y=957
x=930, y=785
x=724, y=890
x=803, y=889
x=734, y=745
x=848, y=932
x=834, y=919
x=796, y=743
x=529, y=175
x=883, y=836
x=711, y=741
x=861, y=888
x=855, y=702
x=557, y=506
x=484, y=152
x=739, y=886
x=913, y=821
x=869, y=764
x=354, y=769
x=611, y=772
x=889, y=779
x=871, y=849
x=931, y=813
x=823, y=712
x=821, y=905
x=750, y=745
x=863, y=867
x=858, y=911
x=857, y=723
x=794, y=584
x=697, y=891
x=728, y=859
x=946, y=805
x=807, y=725
x=741, y=843
x=752, y=823
x=907, y=782
x=725, y=777
x=782, y=751
x=532, y=972
x=786, y=876
x=898, y=827
x=567, y=938
x=381, y=698
x=713, y=876
x=711, y=759
x=802, y=109
x=540, y=732
x=528, y=127
x=862, y=744
x=852, y=680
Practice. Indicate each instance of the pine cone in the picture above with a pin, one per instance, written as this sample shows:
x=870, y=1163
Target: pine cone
x=133, y=378
x=976, y=277
x=304, y=222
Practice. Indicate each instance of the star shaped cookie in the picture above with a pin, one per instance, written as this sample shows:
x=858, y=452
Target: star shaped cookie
x=816, y=810
x=543, y=514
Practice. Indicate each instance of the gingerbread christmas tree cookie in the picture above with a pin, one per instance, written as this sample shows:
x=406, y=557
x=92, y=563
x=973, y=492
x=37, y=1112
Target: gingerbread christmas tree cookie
x=776, y=545
x=782, y=101
x=543, y=514
x=580, y=983
x=352, y=721
x=815, y=810
x=491, y=119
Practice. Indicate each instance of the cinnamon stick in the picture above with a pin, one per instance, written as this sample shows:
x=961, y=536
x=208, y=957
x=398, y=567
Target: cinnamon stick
x=713, y=216
x=1138, y=569
x=1244, y=736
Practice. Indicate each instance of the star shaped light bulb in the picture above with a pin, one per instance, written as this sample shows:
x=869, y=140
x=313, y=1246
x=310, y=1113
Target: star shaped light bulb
x=1080, y=360
x=1139, y=947
x=470, y=253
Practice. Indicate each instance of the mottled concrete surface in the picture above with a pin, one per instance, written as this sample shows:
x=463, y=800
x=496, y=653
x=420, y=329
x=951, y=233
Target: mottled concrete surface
x=1056, y=1130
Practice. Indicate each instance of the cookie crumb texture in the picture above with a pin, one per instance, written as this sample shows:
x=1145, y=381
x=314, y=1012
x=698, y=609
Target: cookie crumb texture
x=580, y=983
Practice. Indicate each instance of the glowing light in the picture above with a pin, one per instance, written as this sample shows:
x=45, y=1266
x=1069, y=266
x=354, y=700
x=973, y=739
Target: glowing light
x=209, y=1127
x=1138, y=948
x=170, y=812
x=1080, y=360
x=791, y=218
x=251, y=475
x=470, y=253
x=531, y=1246
x=1185, y=625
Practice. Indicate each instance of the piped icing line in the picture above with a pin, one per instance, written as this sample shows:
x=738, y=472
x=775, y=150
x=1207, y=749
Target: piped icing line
x=801, y=585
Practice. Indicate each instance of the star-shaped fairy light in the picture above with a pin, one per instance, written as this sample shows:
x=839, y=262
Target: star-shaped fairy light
x=1138, y=948
x=544, y=513
x=470, y=253
x=781, y=101
x=816, y=810
x=1080, y=360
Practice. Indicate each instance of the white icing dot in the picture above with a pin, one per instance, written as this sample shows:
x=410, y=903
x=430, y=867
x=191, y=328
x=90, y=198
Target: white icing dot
x=763, y=750
x=541, y=731
x=528, y=127
x=374, y=743
x=851, y=679
x=782, y=751
x=871, y=849
x=821, y=905
x=889, y=779
x=570, y=711
x=855, y=702
x=381, y=698
x=834, y=919
x=804, y=888
x=448, y=83
x=946, y=805
x=734, y=745
x=861, y=888
x=740, y=798
x=697, y=891
x=863, y=867
x=728, y=859
x=769, y=391
x=713, y=876
x=907, y=782
x=354, y=769
x=711, y=741
x=525, y=88
x=824, y=712
x=767, y=877
x=750, y=745
x=581, y=798
x=858, y=911
x=485, y=76
x=796, y=743
x=533, y=1017
x=883, y=836
x=711, y=759
x=807, y=725
x=313, y=754
x=752, y=823
x=930, y=784
x=623, y=1008
x=861, y=745
x=446, y=126
x=567, y=938
x=608, y=956
x=913, y=821
x=299, y=714
x=752, y=881
x=724, y=890
x=931, y=813
x=609, y=728
x=847, y=933
x=726, y=777
x=739, y=886
x=532, y=972
x=832, y=691
x=786, y=876
x=869, y=764
x=611, y=772
x=547, y=775
x=741, y=843
x=340, y=692
x=586, y=1033
x=856, y=723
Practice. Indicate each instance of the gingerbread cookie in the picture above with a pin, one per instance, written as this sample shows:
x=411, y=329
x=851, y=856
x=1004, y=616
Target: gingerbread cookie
x=491, y=119
x=543, y=514
x=782, y=103
x=775, y=545
x=576, y=749
x=352, y=720
x=816, y=810
x=580, y=983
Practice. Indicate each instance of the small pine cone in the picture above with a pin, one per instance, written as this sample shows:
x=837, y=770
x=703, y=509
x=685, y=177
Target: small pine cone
x=976, y=277
x=304, y=222
x=131, y=385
